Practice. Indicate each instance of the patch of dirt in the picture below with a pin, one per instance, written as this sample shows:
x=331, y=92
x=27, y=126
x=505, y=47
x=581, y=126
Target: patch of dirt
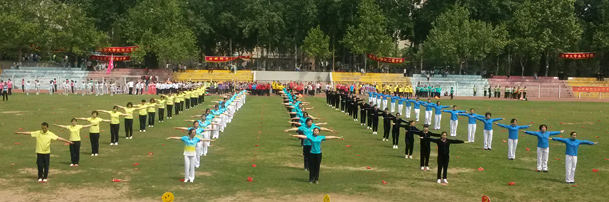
x=456, y=170
x=349, y=168
x=248, y=196
x=65, y=194
x=203, y=174
x=34, y=171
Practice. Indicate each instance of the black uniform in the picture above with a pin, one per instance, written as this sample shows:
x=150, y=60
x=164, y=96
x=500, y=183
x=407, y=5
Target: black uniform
x=425, y=148
x=395, y=135
x=409, y=139
x=443, y=154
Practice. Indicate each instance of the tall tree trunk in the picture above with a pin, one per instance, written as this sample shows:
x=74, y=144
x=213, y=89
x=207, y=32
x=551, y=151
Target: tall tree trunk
x=547, y=63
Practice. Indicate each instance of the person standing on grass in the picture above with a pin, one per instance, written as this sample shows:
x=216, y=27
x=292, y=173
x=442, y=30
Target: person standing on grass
x=443, y=155
x=115, y=123
x=161, y=104
x=454, y=120
x=438, y=114
x=43, y=149
x=199, y=146
x=190, y=143
x=408, y=109
x=411, y=130
x=398, y=123
x=417, y=107
x=571, y=154
x=169, y=100
x=488, y=129
x=4, y=93
x=128, y=119
x=363, y=106
x=425, y=147
x=471, y=125
x=75, y=139
x=512, y=136
x=143, y=113
x=393, y=99
x=315, y=153
x=387, y=117
x=307, y=130
x=94, y=131
x=151, y=111
x=543, y=147
x=400, y=104
x=428, y=110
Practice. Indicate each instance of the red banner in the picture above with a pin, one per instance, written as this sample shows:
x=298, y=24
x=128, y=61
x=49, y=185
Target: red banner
x=577, y=55
x=225, y=58
x=114, y=50
x=108, y=57
x=386, y=59
x=591, y=89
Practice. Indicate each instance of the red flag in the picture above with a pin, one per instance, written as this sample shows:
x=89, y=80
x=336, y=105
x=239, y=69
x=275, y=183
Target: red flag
x=110, y=64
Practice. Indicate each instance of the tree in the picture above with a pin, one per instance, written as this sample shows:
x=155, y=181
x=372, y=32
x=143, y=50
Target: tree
x=553, y=30
x=317, y=44
x=455, y=38
x=369, y=33
x=159, y=29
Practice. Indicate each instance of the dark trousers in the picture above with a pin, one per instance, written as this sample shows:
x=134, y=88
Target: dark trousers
x=130, y=90
x=42, y=161
x=386, y=130
x=409, y=145
x=169, y=110
x=354, y=111
x=375, y=124
x=181, y=106
x=187, y=103
x=193, y=102
x=161, y=114
x=314, y=163
x=114, y=132
x=22, y=88
x=75, y=152
x=203, y=98
x=177, y=104
x=4, y=95
x=306, y=152
x=425, y=155
x=151, y=118
x=395, y=136
x=369, y=120
x=442, y=165
x=362, y=116
x=94, y=137
x=128, y=127
x=142, y=122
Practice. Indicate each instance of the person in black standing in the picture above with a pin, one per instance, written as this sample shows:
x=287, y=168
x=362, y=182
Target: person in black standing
x=398, y=123
x=411, y=131
x=425, y=148
x=375, y=113
x=362, y=109
x=443, y=154
x=343, y=102
x=369, y=111
x=387, y=118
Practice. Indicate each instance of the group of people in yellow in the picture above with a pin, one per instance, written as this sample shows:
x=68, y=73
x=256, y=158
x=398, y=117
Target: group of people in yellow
x=179, y=101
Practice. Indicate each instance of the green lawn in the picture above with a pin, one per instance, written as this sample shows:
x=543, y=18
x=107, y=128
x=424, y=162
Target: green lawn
x=278, y=174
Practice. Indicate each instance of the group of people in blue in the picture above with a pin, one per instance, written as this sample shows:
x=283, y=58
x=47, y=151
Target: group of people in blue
x=384, y=105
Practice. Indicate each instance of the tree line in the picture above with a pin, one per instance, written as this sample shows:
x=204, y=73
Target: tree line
x=510, y=37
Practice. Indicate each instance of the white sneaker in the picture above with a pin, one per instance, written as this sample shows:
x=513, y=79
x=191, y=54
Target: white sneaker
x=96, y=154
x=423, y=168
x=374, y=133
x=44, y=180
x=71, y=165
x=186, y=180
x=116, y=143
x=40, y=180
x=445, y=181
x=426, y=167
x=396, y=147
x=126, y=138
x=410, y=157
x=406, y=156
x=439, y=181
x=140, y=131
x=92, y=154
x=144, y=130
x=111, y=143
x=131, y=137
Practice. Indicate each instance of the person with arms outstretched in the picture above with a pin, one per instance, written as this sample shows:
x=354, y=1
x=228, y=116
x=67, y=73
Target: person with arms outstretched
x=488, y=129
x=512, y=136
x=543, y=147
x=571, y=154
x=443, y=154
x=454, y=120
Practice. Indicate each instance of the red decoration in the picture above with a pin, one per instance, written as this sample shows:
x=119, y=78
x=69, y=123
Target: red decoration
x=595, y=170
x=348, y=146
x=368, y=167
x=225, y=58
x=150, y=153
x=116, y=180
x=108, y=57
x=480, y=169
x=386, y=59
x=591, y=89
x=577, y=56
x=384, y=182
x=114, y=50
x=250, y=179
x=512, y=183
x=254, y=165
x=136, y=164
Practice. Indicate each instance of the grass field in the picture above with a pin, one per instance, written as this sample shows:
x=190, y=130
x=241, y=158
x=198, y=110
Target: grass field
x=256, y=136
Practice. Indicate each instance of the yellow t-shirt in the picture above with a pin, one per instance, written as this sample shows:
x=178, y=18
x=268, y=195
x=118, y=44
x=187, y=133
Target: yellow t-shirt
x=170, y=100
x=74, y=132
x=129, y=112
x=95, y=124
x=43, y=141
x=193, y=94
x=152, y=107
x=142, y=111
x=161, y=104
x=115, y=117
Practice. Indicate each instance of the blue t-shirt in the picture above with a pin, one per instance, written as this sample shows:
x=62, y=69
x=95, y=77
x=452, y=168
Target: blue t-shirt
x=471, y=117
x=316, y=143
x=542, y=138
x=306, y=131
x=439, y=108
x=453, y=114
x=428, y=106
x=198, y=132
x=513, y=130
x=190, y=145
x=572, y=144
x=417, y=104
x=488, y=123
